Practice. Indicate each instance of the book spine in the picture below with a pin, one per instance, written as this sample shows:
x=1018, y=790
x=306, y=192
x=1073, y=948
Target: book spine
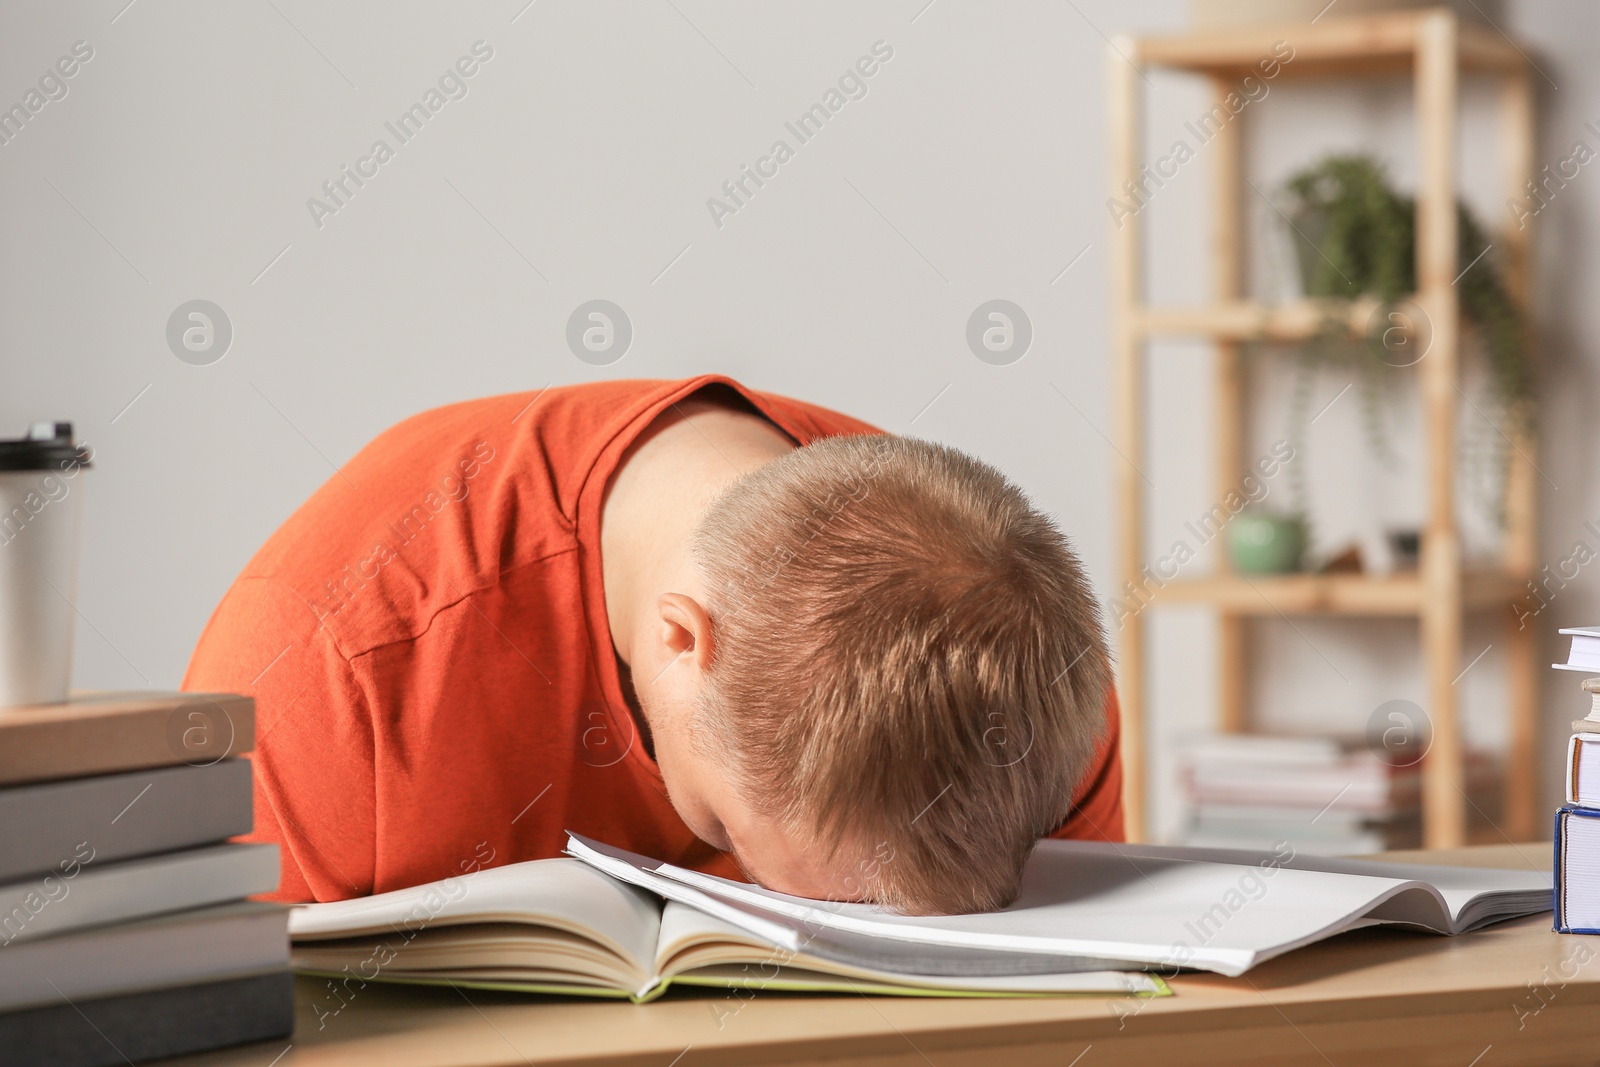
x=1558, y=920
x=1574, y=747
x=1559, y=893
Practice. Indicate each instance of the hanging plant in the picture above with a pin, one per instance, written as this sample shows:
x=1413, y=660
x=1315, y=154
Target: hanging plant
x=1355, y=236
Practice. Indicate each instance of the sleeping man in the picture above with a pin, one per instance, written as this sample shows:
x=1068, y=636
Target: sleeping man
x=736, y=632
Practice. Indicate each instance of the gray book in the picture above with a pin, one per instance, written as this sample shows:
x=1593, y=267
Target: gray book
x=84, y=893
x=119, y=816
x=179, y=949
x=138, y=1027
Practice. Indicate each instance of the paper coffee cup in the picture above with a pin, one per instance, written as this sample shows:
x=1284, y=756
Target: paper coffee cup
x=41, y=512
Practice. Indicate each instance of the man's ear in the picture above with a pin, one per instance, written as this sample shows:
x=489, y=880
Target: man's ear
x=686, y=628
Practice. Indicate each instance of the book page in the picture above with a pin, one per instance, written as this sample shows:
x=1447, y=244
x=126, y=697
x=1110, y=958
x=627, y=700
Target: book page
x=686, y=926
x=1469, y=893
x=795, y=979
x=698, y=947
x=559, y=893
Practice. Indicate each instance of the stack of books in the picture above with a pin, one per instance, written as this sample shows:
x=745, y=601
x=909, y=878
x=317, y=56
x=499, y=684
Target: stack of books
x=124, y=929
x=1577, y=850
x=1322, y=795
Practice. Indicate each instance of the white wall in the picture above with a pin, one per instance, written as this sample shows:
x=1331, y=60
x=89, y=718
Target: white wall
x=578, y=166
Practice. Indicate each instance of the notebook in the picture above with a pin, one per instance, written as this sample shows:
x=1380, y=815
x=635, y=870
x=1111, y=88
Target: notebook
x=563, y=926
x=1148, y=906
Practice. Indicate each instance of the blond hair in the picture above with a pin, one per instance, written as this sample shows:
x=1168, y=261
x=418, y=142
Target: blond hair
x=908, y=661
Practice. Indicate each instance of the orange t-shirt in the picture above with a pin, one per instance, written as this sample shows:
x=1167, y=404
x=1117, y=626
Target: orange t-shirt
x=427, y=644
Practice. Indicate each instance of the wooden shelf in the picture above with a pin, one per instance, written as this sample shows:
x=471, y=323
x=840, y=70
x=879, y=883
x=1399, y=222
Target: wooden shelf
x=1399, y=594
x=1245, y=320
x=1434, y=48
x=1331, y=47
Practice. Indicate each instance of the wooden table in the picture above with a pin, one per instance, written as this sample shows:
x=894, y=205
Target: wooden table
x=1515, y=993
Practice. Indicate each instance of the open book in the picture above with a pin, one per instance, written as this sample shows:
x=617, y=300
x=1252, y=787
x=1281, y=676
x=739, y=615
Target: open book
x=562, y=926
x=1091, y=916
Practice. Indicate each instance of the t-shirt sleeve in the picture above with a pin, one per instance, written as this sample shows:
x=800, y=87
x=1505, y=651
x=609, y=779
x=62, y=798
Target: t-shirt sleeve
x=313, y=757
x=1096, y=813
x=810, y=422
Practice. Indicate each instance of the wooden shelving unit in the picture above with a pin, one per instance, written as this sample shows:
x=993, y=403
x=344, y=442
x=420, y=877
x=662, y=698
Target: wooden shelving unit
x=1435, y=49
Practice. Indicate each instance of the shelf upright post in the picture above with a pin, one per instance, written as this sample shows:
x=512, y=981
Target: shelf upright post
x=1227, y=161
x=1444, y=793
x=1128, y=386
x=1520, y=549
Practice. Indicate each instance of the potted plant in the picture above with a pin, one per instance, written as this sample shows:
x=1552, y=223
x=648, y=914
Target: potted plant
x=1355, y=236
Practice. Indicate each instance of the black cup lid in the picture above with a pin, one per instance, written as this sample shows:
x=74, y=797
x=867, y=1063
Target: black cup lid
x=48, y=446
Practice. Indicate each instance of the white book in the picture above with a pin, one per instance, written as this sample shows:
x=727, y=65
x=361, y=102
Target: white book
x=82, y=893
x=1584, y=654
x=1150, y=906
x=1583, y=769
x=1578, y=867
x=561, y=926
x=168, y=950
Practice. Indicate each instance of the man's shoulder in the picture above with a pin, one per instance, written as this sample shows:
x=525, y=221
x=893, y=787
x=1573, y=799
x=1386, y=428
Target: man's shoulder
x=808, y=421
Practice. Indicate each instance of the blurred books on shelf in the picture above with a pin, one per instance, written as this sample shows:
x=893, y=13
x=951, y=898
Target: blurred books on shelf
x=1321, y=795
x=123, y=918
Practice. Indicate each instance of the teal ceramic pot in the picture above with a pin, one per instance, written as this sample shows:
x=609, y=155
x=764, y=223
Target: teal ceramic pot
x=1259, y=543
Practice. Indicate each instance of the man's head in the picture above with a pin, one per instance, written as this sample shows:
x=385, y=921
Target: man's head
x=889, y=680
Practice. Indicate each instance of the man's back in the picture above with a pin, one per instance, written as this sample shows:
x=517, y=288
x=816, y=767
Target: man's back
x=428, y=645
